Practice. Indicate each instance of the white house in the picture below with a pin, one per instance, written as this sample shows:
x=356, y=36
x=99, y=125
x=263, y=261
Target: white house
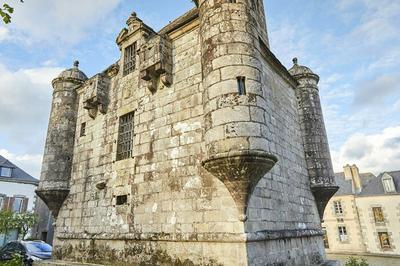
x=17, y=192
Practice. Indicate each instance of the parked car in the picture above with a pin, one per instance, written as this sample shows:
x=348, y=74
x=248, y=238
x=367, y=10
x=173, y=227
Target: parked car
x=30, y=251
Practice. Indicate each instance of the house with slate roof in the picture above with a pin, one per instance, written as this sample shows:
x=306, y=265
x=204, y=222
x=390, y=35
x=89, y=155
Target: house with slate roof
x=17, y=192
x=363, y=217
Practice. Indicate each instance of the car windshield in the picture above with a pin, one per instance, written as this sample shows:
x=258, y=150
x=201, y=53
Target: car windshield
x=38, y=247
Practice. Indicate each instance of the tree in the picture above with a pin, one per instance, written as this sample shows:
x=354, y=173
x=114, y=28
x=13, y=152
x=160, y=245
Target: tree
x=5, y=12
x=21, y=222
x=7, y=222
x=25, y=221
x=354, y=262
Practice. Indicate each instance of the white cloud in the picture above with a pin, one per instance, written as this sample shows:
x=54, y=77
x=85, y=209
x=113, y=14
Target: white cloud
x=4, y=33
x=374, y=153
x=60, y=21
x=30, y=163
x=25, y=104
x=375, y=92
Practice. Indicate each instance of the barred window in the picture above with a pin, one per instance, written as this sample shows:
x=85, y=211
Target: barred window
x=342, y=233
x=378, y=214
x=125, y=136
x=129, y=59
x=338, y=207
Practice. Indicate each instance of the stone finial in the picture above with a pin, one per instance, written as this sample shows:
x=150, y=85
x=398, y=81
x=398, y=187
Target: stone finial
x=76, y=64
x=295, y=61
x=132, y=19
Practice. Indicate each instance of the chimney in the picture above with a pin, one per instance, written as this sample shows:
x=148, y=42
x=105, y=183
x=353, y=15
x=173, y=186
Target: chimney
x=347, y=172
x=356, y=178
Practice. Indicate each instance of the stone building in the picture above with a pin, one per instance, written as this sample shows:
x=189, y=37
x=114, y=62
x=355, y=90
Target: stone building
x=196, y=147
x=17, y=193
x=364, y=215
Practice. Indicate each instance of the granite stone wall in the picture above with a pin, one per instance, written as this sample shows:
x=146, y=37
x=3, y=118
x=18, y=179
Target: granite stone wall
x=165, y=204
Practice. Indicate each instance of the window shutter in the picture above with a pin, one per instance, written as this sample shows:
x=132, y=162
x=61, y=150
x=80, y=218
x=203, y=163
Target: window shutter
x=10, y=203
x=25, y=205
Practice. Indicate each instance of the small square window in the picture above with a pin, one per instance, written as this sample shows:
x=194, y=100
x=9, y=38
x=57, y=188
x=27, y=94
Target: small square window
x=122, y=200
x=384, y=239
x=5, y=171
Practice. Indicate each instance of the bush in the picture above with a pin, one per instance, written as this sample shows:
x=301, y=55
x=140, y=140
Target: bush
x=356, y=262
x=17, y=260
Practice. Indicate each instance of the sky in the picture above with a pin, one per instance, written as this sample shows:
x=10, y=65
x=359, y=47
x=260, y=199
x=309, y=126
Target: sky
x=353, y=45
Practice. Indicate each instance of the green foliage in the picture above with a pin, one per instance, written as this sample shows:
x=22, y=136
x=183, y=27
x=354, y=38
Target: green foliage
x=356, y=262
x=5, y=12
x=24, y=221
x=7, y=222
x=17, y=260
x=17, y=221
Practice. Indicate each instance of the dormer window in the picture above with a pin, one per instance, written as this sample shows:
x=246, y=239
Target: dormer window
x=5, y=171
x=388, y=184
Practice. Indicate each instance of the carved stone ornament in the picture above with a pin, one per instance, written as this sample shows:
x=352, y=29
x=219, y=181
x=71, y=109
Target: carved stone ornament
x=156, y=62
x=96, y=95
x=240, y=172
x=134, y=24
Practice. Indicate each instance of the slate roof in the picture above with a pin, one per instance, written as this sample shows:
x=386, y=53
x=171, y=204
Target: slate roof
x=375, y=186
x=345, y=186
x=371, y=184
x=17, y=175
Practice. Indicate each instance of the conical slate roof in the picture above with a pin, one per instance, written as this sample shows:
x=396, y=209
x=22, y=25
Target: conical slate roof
x=74, y=73
x=299, y=69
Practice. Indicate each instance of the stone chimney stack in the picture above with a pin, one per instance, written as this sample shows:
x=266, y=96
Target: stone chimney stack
x=347, y=172
x=352, y=173
x=356, y=178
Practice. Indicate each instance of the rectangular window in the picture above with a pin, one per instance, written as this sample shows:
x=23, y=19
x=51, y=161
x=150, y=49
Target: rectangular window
x=378, y=214
x=17, y=205
x=5, y=171
x=83, y=129
x=384, y=239
x=338, y=207
x=125, y=136
x=326, y=243
x=122, y=200
x=129, y=59
x=241, y=81
x=342, y=233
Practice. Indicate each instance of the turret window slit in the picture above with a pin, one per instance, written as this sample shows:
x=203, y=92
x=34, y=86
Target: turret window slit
x=241, y=81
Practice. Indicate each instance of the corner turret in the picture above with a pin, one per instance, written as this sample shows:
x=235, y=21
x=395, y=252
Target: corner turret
x=236, y=138
x=57, y=160
x=315, y=140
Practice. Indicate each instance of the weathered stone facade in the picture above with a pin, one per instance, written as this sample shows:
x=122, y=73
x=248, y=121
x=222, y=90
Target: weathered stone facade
x=218, y=173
